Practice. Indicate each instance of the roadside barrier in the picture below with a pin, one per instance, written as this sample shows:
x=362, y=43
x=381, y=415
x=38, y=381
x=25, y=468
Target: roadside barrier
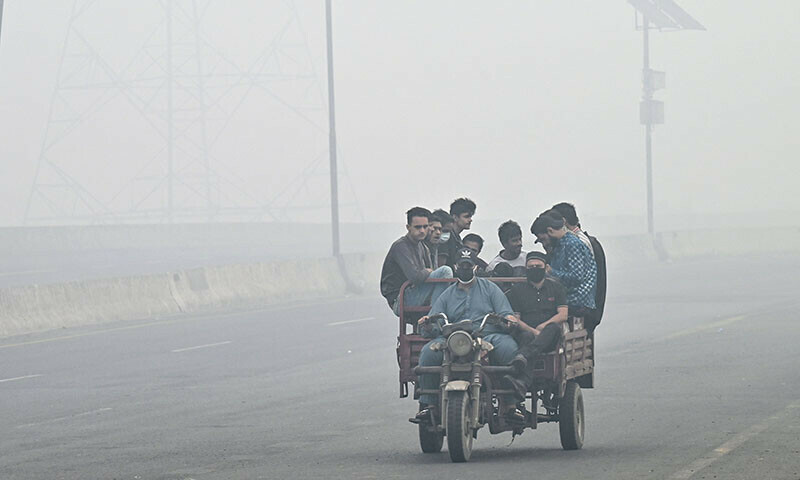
x=45, y=307
x=34, y=308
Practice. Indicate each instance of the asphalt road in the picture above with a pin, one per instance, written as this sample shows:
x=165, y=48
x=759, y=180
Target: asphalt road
x=697, y=378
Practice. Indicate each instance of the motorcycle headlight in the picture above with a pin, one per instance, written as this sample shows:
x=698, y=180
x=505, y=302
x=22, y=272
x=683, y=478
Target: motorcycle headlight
x=460, y=343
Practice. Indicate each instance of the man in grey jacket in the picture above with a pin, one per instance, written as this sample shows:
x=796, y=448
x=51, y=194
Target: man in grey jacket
x=410, y=260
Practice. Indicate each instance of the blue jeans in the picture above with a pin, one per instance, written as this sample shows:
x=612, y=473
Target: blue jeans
x=418, y=295
x=505, y=348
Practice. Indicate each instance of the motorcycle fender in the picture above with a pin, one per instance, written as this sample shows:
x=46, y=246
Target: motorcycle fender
x=457, y=386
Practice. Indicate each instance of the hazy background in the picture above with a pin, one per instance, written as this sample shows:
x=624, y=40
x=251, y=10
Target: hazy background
x=514, y=104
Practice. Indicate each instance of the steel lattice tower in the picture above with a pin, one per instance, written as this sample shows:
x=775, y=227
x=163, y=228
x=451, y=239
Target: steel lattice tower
x=184, y=94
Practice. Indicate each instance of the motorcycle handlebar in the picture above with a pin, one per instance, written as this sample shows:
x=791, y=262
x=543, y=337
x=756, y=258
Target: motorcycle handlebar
x=432, y=318
x=494, y=317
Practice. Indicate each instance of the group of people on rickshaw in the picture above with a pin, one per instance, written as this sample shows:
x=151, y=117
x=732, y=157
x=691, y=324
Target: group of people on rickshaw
x=567, y=279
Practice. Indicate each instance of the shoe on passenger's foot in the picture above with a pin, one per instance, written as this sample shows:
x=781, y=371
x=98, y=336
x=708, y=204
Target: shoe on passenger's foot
x=424, y=417
x=516, y=415
x=517, y=385
x=519, y=362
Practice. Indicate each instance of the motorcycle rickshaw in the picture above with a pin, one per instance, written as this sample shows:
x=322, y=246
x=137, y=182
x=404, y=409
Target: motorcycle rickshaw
x=470, y=388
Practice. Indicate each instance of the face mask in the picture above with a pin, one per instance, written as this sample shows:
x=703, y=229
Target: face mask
x=554, y=241
x=445, y=237
x=535, y=274
x=465, y=274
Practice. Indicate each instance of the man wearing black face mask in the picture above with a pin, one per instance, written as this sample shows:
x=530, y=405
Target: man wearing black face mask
x=470, y=298
x=542, y=304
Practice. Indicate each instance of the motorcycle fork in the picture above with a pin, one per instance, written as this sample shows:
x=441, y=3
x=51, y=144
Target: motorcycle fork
x=475, y=390
x=442, y=393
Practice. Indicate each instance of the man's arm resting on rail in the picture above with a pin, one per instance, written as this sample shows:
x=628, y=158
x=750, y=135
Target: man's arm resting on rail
x=404, y=258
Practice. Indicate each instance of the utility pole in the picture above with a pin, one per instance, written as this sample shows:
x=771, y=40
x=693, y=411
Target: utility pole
x=332, y=136
x=1, y=18
x=647, y=94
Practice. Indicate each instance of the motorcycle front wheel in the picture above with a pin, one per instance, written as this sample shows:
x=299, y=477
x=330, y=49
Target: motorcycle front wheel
x=459, y=433
x=430, y=441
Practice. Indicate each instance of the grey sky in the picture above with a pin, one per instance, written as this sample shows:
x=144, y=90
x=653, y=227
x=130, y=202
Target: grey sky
x=515, y=104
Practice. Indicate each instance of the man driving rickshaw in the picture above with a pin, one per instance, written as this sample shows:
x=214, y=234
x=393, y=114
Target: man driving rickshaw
x=471, y=298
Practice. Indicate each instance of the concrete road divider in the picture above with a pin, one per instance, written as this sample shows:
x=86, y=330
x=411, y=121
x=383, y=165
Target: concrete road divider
x=247, y=285
x=45, y=307
x=33, y=308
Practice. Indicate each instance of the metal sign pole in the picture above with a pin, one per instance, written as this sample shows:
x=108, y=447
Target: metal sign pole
x=648, y=96
x=1, y=18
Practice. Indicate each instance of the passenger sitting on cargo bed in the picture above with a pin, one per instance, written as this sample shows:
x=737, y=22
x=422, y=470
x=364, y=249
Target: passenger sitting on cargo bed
x=571, y=262
x=474, y=242
x=441, y=224
x=542, y=304
x=410, y=260
x=511, y=238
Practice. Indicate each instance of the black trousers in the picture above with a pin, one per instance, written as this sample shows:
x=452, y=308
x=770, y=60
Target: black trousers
x=531, y=345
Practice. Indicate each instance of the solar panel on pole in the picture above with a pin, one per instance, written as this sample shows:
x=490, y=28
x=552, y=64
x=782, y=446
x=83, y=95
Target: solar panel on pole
x=664, y=15
x=679, y=15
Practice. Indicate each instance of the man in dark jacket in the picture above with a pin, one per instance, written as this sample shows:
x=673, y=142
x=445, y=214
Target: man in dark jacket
x=462, y=210
x=410, y=260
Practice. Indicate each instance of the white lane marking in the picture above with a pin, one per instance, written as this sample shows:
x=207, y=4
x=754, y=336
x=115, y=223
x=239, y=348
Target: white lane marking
x=345, y=322
x=200, y=346
x=61, y=419
x=20, y=378
x=642, y=346
x=728, y=446
x=703, y=328
x=24, y=272
x=181, y=318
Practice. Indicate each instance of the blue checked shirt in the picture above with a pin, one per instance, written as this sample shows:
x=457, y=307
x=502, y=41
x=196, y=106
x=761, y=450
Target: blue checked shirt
x=574, y=266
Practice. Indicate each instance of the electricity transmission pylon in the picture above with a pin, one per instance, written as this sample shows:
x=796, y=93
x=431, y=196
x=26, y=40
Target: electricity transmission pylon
x=135, y=141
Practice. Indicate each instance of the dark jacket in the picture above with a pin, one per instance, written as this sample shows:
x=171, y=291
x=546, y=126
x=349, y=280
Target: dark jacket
x=600, y=294
x=451, y=249
x=406, y=260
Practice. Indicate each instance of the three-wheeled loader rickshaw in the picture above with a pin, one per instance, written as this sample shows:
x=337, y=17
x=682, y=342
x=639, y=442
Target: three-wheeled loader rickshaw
x=470, y=388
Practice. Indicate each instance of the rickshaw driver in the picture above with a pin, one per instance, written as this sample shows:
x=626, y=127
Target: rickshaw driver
x=471, y=297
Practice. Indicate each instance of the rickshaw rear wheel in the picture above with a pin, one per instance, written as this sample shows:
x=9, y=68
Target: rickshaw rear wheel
x=570, y=417
x=430, y=441
x=459, y=433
